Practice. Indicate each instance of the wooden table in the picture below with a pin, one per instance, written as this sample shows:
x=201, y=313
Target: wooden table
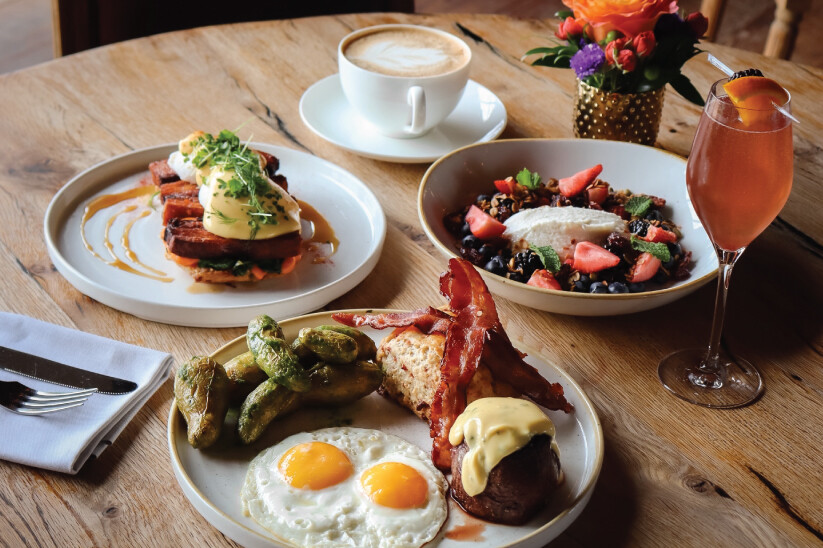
x=674, y=474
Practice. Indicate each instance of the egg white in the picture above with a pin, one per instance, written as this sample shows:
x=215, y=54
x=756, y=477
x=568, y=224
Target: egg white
x=343, y=514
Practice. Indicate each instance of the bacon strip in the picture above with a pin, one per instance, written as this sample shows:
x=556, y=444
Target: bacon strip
x=428, y=320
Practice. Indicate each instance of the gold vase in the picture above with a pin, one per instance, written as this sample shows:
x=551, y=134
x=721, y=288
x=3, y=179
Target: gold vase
x=632, y=117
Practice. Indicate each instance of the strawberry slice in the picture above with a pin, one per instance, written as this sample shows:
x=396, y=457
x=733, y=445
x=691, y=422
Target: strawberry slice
x=589, y=257
x=597, y=194
x=658, y=235
x=574, y=185
x=506, y=186
x=645, y=268
x=483, y=225
x=543, y=278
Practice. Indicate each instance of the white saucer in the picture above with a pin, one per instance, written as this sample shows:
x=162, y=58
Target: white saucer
x=480, y=116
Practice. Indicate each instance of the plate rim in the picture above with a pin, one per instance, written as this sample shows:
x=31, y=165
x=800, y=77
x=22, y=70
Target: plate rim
x=577, y=504
x=329, y=80
x=690, y=284
x=55, y=217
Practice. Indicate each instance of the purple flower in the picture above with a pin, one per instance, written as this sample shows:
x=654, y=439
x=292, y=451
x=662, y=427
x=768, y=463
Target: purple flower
x=588, y=60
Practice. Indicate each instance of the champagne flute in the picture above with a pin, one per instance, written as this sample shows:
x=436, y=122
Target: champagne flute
x=739, y=175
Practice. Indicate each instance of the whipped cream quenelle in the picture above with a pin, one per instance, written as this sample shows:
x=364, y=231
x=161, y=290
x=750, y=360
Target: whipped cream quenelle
x=229, y=213
x=561, y=227
x=406, y=52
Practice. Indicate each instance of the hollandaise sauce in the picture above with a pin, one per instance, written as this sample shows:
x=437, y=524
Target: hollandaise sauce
x=494, y=428
x=106, y=201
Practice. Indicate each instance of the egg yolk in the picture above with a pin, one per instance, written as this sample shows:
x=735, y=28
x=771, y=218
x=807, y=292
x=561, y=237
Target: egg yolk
x=314, y=465
x=395, y=485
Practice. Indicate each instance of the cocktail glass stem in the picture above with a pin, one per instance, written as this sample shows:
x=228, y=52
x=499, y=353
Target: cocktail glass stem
x=710, y=373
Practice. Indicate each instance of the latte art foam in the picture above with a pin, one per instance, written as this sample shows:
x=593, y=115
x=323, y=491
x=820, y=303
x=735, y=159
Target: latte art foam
x=406, y=52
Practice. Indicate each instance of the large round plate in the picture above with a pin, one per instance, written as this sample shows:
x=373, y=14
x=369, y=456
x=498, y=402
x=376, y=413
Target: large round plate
x=455, y=180
x=211, y=479
x=350, y=207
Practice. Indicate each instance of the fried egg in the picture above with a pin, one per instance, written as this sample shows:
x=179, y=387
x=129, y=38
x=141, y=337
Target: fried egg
x=346, y=487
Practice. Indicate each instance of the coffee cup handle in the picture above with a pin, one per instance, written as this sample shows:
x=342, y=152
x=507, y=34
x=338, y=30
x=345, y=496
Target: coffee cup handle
x=417, y=101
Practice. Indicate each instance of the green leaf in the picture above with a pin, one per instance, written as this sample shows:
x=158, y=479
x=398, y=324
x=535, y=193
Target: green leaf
x=548, y=256
x=528, y=179
x=684, y=87
x=562, y=14
x=659, y=250
x=638, y=205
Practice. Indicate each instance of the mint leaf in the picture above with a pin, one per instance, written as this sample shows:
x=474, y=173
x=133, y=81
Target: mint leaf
x=548, y=256
x=638, y=205
x=659, y=250
x=528, y=179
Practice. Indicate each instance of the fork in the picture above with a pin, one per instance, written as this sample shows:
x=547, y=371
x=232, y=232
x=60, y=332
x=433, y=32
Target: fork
x=23, y=400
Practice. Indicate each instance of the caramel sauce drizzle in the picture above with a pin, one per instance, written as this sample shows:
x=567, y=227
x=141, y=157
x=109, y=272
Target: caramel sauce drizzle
x=109, y=200
x=322, y=233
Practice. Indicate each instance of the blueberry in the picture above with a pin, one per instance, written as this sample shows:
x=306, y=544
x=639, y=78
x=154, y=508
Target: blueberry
x=465, y=230
x=661, y=277
x=654, y=215
x=497, y=265
x=675, y=250
x=484, y=198
x=598, y=288
x=637, y=287
x=618, y=287
x=518, y=277
x=471, y=241
x=486, y=252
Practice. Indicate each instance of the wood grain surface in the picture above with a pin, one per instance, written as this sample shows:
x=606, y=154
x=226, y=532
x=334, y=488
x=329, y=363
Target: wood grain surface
x=673, y=475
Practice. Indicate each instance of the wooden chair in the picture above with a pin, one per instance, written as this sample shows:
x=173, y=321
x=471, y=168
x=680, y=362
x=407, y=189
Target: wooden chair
x=84, y=24
x=782, y=32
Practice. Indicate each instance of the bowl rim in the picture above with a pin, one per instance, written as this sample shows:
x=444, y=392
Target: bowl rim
x=445, y=249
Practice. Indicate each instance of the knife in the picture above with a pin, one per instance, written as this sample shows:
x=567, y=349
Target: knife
x=60, y=373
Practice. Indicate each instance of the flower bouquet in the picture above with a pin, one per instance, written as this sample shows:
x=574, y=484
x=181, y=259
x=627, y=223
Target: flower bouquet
x=626, y=46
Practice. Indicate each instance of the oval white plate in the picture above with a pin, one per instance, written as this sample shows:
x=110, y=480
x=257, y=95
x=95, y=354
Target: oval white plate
x=211, y=479
x=350, y=207
x=456, y=179
x=479, y=116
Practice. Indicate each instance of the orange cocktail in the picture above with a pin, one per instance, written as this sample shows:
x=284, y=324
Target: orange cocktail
x=744, y=173
x=739, y=176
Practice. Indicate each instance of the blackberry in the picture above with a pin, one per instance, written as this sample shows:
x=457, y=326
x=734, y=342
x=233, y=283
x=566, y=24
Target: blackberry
x=639, y=227
x=527, y=262
x=518, y=277
x=747, y=72
x=618, y=244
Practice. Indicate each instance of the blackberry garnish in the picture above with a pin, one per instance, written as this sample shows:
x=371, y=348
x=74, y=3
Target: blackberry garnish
x=747, y=72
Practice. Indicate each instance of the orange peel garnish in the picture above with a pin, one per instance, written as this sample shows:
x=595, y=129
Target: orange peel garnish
x=754, y=97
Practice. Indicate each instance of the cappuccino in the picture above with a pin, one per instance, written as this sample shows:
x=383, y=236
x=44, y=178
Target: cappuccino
x=407, y=52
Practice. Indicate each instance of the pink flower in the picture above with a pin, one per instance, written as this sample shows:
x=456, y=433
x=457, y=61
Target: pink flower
x=613, y=49
x=627, y=60
x=698, y=23
x=644, y=43
x=569, y=27
x=630, y=17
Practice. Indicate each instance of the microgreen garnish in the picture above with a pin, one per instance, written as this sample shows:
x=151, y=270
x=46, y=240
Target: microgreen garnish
x=659, y=250
x=548, y=256
x=529, y=179
x=638, y=205
x=244, y=176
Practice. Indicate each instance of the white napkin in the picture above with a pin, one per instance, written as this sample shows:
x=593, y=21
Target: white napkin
x=65, y=440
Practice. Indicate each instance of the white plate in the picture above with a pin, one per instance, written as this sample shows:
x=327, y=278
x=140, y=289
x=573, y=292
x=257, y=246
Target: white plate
x=211, y=479
x=479, y=117
x=456, y=179
x=350, y=207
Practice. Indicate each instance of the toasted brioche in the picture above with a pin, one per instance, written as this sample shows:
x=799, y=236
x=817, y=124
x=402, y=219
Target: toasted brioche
x=410, y=360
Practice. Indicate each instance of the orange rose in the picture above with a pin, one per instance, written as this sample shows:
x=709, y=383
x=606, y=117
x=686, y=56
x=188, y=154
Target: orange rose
x=630, y=17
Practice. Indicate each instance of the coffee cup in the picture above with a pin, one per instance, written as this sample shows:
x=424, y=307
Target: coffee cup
x=403, y=79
